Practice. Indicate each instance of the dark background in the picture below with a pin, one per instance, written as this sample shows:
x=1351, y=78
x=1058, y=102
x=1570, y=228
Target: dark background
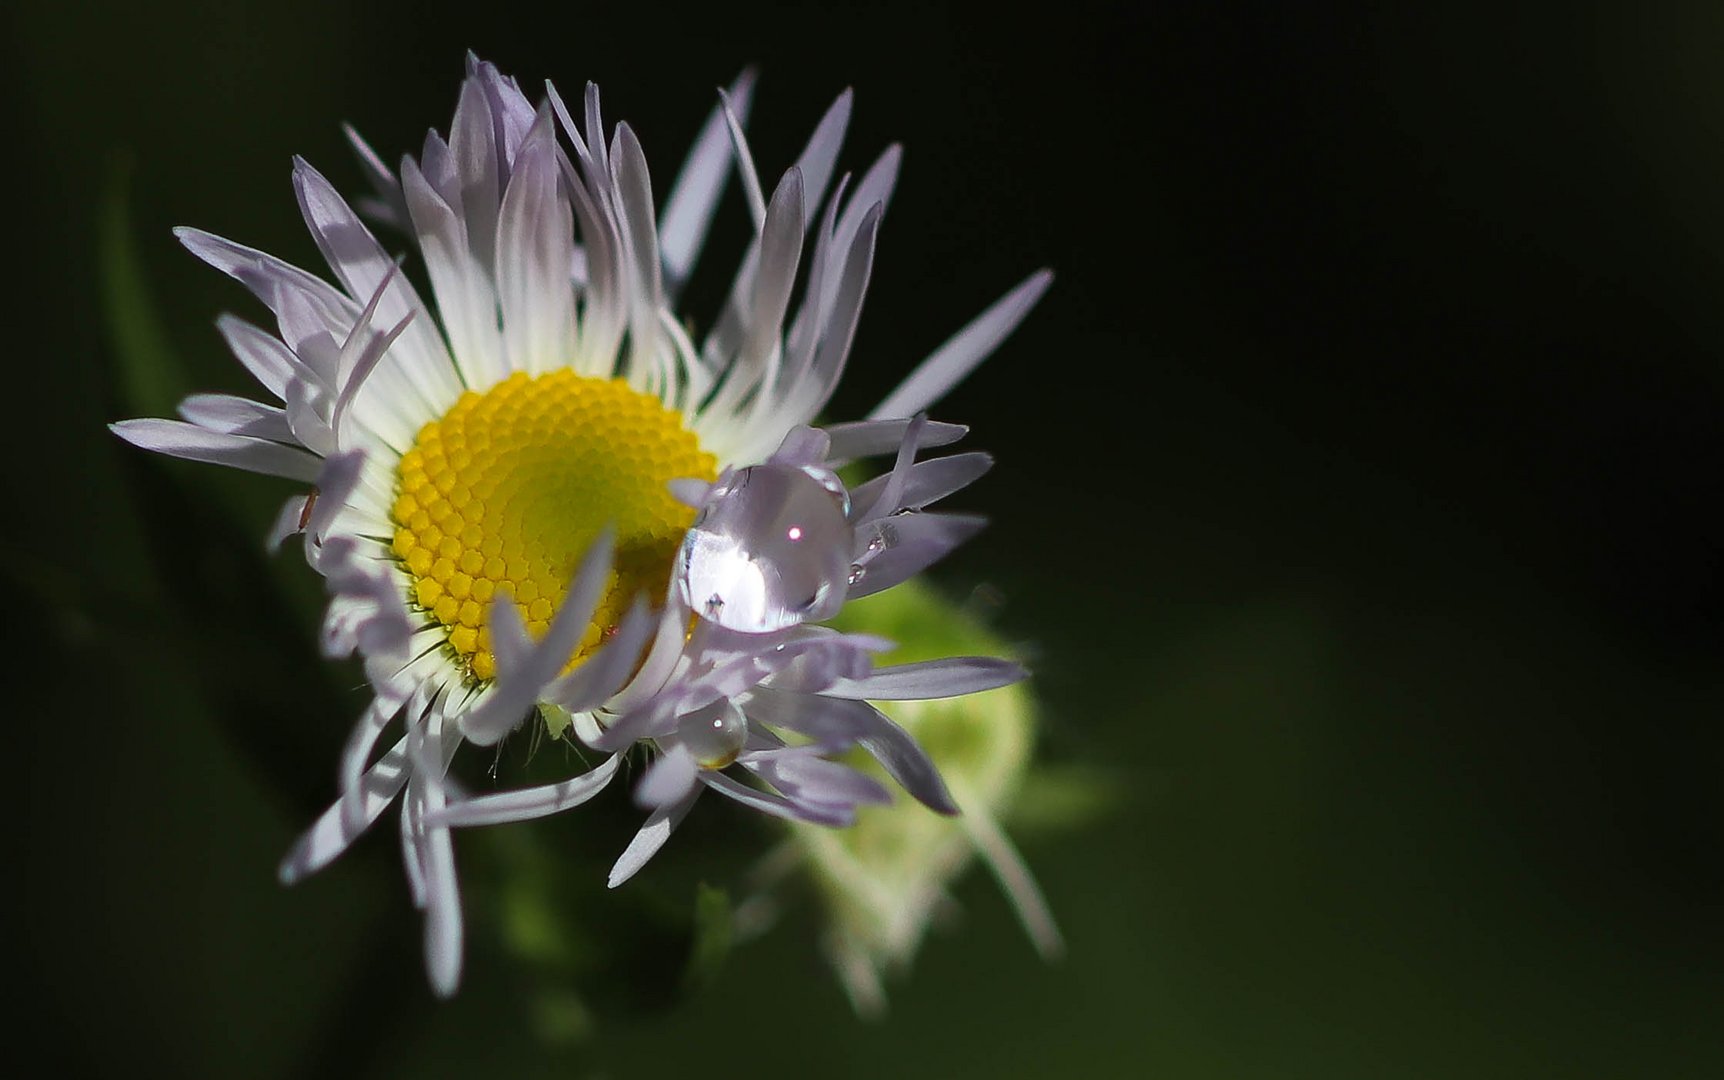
x=1357, y=497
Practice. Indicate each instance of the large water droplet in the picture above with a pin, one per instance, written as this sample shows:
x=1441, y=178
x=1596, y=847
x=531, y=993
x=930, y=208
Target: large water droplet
x=771, y=549
x=714, y=734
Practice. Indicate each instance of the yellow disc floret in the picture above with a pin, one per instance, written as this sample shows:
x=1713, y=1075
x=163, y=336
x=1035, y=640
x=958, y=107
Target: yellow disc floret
x=502, y=496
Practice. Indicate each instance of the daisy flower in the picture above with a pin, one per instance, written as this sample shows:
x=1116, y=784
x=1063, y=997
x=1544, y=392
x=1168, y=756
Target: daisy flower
x=540, y=496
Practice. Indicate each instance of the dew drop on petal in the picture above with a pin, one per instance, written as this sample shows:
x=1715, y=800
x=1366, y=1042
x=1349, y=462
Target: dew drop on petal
x=714, y=734
x=771, y=549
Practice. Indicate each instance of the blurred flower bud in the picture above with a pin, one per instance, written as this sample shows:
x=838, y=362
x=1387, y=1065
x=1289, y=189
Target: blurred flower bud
x=883, y=880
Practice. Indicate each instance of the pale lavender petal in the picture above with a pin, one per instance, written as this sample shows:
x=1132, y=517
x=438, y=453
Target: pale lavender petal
x=335, y=484
x=511, y=112
x=261, y=272
x=887, y=496
x=751, y=188
x=947, y=365
x=262, y=353
x=951, y=677
x=435, y=854
x=928, y=482
x=391, y=210
x=874, y=190
x=652, y=835
x=839, y=723
x=437, y=164
x=466, y=295
x=689, y=491
x=527, y=803
x=905, y=761
x=286, y=523
x=812, y=657
x=232, y=415
x=814, y=781
x=597, y=679
x=443, y=929
x=803, y=446
x=662, y=657
x=177, y=438
x=351, y=774
x=810, y=321
x=694, y=196
x=780, y=250
x=332, y=832
x=914, y=542
x=523, y=673
x=668, y=779
x=1013, y=875
x=840, y=332
x=633, y=185
x=777, y=805
x=601, y=166
x=535, y=238
x=821, y=153
x=359, y=359
x=361, y=264
x=819, y=664
x=871, y=438
x=366, y=611
x=473, y=146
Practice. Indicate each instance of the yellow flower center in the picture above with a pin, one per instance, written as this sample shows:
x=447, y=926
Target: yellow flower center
x=502, y=496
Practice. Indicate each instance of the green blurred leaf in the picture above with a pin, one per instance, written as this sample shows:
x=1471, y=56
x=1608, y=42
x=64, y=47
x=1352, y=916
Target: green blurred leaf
x=151, y=378
x=714, y=931
x=1054, y=798
x=561, y=1017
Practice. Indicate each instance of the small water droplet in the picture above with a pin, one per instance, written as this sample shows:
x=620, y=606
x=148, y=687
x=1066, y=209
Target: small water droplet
x=857, y=573
x=769, y=551
x=714, y=734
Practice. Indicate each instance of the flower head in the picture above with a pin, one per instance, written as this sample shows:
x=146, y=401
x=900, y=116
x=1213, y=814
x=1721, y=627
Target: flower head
x=539, y=496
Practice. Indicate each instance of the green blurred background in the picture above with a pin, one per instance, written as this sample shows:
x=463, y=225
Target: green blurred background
x=1357, y=503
